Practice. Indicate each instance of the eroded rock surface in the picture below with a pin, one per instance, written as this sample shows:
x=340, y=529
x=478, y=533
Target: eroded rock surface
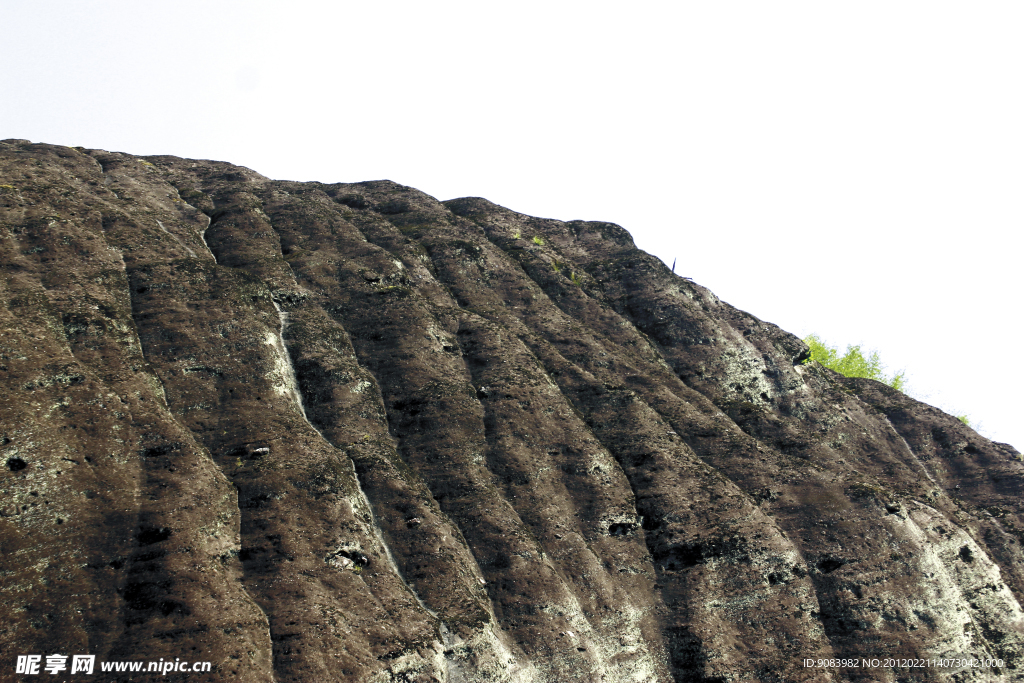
x=347, y=432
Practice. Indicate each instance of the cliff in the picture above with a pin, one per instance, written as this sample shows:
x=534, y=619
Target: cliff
x=346, y=432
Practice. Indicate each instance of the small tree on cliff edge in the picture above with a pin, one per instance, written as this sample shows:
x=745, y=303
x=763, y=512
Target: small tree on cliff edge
x=853, y=363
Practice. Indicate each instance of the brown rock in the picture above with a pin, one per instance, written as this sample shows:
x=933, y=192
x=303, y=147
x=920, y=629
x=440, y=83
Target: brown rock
x=347, y=432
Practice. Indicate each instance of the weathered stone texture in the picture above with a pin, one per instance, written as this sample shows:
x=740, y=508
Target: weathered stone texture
x=347, y=432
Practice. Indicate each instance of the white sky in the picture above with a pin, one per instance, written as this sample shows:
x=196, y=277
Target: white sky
x=850, y=169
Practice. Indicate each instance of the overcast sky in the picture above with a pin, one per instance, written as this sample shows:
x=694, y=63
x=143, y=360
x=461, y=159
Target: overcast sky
x=849, y=169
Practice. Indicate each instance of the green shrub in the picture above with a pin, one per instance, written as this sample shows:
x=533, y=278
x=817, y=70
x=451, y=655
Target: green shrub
x=538, y=240
x=853, y=363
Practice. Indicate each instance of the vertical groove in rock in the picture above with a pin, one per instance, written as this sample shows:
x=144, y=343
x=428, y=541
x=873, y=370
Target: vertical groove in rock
x=291, y=386
x=300, y=403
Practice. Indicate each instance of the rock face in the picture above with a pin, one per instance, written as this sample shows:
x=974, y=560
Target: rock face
x=347, y=432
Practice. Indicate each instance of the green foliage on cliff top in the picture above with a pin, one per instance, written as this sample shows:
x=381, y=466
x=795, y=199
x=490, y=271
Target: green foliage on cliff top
x=853, y=363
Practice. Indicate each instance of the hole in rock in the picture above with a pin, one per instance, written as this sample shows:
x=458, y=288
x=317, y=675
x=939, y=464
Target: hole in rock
x=148, y=535
x=830, y=564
